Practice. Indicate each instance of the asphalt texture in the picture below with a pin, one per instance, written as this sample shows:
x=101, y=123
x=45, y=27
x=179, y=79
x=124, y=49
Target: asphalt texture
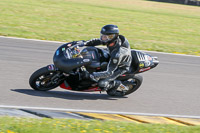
x=173, y=87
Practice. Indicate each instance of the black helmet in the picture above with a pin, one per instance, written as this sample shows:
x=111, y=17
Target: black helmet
x=109, y=33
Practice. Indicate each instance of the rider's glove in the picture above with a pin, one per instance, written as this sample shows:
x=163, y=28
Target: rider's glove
x=81, y=43
x=93, y=42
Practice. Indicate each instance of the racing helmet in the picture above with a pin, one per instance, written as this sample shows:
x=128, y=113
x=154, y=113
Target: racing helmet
x=109, y=33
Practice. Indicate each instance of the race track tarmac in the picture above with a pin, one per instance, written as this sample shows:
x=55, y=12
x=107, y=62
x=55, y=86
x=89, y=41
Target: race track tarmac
x=171, y=88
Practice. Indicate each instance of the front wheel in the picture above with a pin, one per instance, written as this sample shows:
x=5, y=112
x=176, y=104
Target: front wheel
x=44, y=80
x=132, y=83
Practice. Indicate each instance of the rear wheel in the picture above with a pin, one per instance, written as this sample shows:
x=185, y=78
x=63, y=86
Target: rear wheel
x=137, y=81
x=132, y=83
x=44, y=80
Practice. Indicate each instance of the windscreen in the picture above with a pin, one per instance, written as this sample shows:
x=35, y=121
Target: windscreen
x=73, y=52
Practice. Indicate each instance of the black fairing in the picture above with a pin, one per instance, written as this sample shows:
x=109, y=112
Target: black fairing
x=98, y=58
x=72, y=64
x=78, y=85
x=141, y=62
x=64, y=64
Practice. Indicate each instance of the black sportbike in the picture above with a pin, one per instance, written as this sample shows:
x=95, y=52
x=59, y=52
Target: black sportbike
x=92, y=59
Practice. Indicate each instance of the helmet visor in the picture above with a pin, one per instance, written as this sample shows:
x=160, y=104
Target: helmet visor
x=106, y=38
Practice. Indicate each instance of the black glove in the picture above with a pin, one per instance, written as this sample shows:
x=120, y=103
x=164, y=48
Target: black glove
x=93, y=42
x=81, y=43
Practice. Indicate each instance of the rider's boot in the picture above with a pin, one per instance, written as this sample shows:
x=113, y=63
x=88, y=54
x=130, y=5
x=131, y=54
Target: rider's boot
x=117, y=85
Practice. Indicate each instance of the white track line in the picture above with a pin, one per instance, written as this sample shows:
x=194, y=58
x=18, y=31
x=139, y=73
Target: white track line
x=96, y=111
x=65, y=42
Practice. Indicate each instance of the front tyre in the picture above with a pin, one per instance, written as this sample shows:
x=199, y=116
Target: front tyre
x=132, y=83
x=42, y=80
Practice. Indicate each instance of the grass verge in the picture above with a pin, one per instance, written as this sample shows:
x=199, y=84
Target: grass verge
x=147, y=25
x=30, y=125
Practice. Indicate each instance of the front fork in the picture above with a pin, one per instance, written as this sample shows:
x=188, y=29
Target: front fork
x=59, y=76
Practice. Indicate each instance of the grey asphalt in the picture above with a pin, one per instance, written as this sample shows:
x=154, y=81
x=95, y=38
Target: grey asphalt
x=171, y=88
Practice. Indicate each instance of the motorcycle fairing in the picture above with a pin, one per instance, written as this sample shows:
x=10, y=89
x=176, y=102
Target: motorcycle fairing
x=141, y=62
x=93, y=60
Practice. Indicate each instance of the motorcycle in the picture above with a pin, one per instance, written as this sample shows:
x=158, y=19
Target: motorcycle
x=91, y=59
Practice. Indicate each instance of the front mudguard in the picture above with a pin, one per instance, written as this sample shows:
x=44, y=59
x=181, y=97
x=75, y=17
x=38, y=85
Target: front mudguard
x=51, y=67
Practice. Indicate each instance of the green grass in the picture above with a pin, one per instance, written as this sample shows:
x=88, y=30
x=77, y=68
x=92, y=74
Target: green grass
x=30, y=125
x=147, y=25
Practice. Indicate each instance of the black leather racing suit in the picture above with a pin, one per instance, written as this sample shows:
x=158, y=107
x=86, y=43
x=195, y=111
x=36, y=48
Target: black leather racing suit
x=119, y=63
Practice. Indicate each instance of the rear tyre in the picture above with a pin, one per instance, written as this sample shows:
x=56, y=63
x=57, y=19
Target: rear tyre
x=137, y=80
x=132, y=83
x=41, y=80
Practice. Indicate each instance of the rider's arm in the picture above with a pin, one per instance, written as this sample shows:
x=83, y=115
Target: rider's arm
x=112, y=66
x=93, y=42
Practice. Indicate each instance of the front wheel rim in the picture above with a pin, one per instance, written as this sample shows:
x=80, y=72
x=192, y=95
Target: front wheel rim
x=45, y=81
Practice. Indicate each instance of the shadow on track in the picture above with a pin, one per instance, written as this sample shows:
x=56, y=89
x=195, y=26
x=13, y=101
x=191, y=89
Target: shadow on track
x=67, y=95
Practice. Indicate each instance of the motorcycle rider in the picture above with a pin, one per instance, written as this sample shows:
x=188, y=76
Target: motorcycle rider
x=120, y=58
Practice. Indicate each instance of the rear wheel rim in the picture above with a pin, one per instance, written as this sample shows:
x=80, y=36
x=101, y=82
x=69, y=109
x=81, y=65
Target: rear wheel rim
x=132, y=88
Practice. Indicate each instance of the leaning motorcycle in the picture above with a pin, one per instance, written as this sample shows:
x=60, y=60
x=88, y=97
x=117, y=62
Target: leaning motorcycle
x=91, y=59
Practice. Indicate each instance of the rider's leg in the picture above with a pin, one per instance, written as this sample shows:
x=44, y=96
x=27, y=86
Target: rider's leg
x=111, y=82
